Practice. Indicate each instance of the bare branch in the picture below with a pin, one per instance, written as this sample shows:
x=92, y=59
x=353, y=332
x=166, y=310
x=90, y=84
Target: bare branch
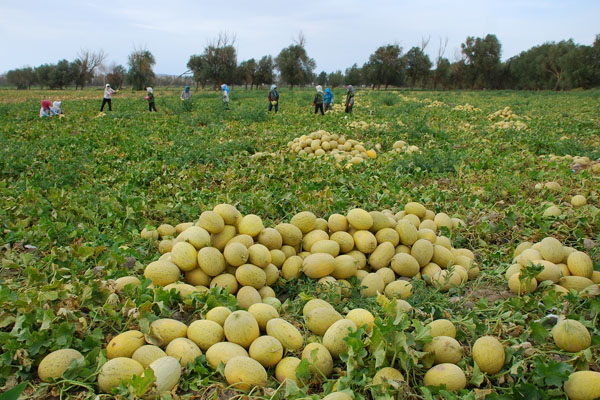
x=442, y=49
x=300, y=40
x=425, y=42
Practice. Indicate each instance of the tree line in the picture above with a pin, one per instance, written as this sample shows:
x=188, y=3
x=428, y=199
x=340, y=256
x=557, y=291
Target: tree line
x=552, y=65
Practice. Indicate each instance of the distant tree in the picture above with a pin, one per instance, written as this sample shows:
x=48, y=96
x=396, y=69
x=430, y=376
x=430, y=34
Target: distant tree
x=458, y=74
x=441, y=75
x=198, y=65
x=418, y=66
x=221, y=59
x=116, y=76
x=61, y=75
x=22, y=78
x=556, y=60
x=294, y=64
x=353, y=75
x=248, y=72
x=140, y=73
x=335, y=79
x=483, y=60
x=322, y=78
x=385, y=66
x=264, y=71
x=42, y=74
x=85, y=65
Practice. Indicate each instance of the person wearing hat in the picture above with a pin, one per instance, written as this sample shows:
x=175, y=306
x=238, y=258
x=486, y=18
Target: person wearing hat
x=328, y=99
x=318, y=102
x=186, y=95
x=108, y=92
x=273, y=98
x=150, y=98
x=56, y=108
x=45, y=110
x=225, y=90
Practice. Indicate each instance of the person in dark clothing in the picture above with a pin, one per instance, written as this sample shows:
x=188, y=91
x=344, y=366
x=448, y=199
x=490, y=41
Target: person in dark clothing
x=349, y=99
x=108, y=92
x=318, y=103
x=273, y=98
x=150, y=98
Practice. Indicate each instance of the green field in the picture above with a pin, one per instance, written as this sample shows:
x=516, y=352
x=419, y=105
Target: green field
x=77, y=191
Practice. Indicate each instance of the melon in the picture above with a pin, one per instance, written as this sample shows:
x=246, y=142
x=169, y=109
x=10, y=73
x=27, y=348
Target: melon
x=289, y=336
x=333, y=339
x=442, y=327
x=56, y=363
x=583, y=385
x=319, y=358
x=222, y=352
x=286, y=369
x=571, y=335
x=184, y=350
x=211, y=221
x=250, y=225
x=163, y=331
x=263, y=313
x=446, y=374
x=205, y=333
x=305, y=221
x=266, y=350
x=241, y=328
x=318, y=265
x=211, y=261
x=445, y=350
x=167, y=372
x=125, y=344
x=245, y=373
x=359, y=219
x=489, y=355
x=114, y=371
x=580, y=264
x=320, y=319
x=147, y=354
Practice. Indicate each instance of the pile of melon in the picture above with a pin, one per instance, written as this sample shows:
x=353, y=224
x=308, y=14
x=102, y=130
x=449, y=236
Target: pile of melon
x=578, y=162
x=383, y=249
x=321, y=143
x=564, y=266
x=400, y=146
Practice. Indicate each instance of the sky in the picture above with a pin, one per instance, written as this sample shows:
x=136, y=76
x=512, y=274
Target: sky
x=338, y=33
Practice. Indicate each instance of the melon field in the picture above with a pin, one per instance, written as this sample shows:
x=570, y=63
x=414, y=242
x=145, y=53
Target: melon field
x=430, y=245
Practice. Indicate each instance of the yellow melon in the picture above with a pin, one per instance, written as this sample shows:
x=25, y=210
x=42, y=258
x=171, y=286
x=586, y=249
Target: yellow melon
x=489, y=355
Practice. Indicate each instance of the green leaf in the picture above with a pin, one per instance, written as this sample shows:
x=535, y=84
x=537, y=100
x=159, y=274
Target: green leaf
x=14, y=393
x=539, y=333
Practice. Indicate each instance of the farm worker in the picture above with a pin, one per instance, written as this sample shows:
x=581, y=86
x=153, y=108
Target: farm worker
x=45, y=110
x=225, y=89
x=56, y=108
x=150, y=98
x=349, y=99
x=318, y=102
x=273, y=98
x=328, y=99
x=186, y=95
x=108, y=92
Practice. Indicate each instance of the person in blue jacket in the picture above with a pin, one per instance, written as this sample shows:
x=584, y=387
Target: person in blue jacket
x=328, y=99
x=225, y=90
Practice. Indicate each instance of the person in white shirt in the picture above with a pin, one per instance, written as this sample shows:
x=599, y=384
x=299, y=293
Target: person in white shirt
x=108, y=92
x=56, y=108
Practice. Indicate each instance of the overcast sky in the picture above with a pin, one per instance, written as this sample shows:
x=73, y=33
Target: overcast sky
x=338, y=33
